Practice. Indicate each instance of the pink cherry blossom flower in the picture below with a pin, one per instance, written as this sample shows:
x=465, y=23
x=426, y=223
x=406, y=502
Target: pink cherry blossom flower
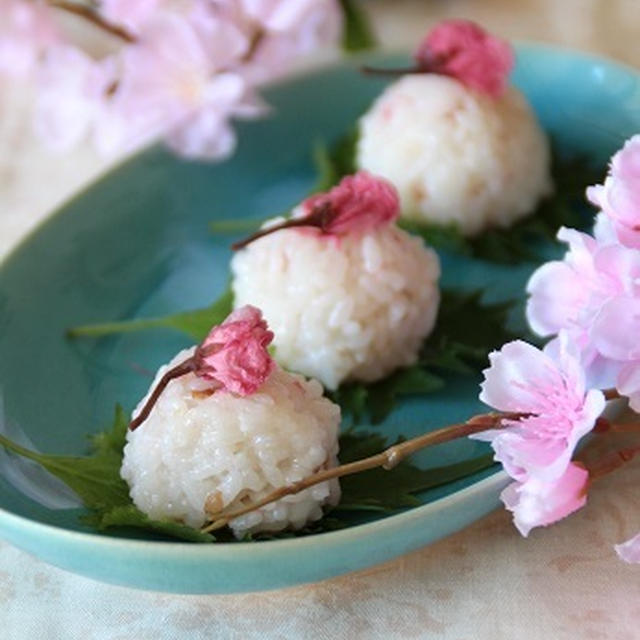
x=560, y=290
x=558, y=409
x=235, y=354
x=536, y=503
x=288, y=30
x=465, y=51
x=280, y=15
x=71, y=96
x=358, y=204
x=628, y=384
x=224, y=33
x=26, y=30
x=169, y=87
x=233, y=358
x=619, y=197
x=593, y=295
x=130, y=14
x=629, y=551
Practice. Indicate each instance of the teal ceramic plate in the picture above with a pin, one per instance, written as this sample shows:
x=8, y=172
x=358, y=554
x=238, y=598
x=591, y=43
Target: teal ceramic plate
x=137, y=244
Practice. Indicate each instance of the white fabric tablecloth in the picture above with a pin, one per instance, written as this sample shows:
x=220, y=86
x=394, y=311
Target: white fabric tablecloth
x=486, y=582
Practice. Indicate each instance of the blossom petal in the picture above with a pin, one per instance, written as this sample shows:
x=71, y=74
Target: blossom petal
x=628, y=384
x=616, y=329
x=629, y=551
x=538, y=504
x=515, y=371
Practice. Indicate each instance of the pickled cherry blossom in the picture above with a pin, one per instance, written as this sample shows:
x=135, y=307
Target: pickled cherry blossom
x=465, y=51
x=235, y=354
x=233, y=358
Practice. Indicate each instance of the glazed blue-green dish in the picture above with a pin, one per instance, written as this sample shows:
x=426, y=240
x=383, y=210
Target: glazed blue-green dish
x=137, y=244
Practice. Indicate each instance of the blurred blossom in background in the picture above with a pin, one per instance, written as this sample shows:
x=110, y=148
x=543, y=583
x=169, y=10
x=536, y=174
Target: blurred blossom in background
x=178, y=70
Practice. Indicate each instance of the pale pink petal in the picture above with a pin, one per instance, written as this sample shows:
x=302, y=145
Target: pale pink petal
x=27, y=29
x=223, y=33
x=560, y=291
x=71, y=96
x=518, y=374
x=619, y=197
x=628, y=384
x=278, y=50
x=130, y=14
x=616, y=329
x=538, y=504
x=206, y=136
x=629, y=551
x=170, y=88
x=557, y=294
x=618, y=268
x=280, y=15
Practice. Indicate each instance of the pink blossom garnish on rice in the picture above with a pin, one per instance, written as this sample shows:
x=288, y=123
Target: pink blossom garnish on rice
x=359, y=204
x=235, y=354
x=462, y=50
x=465, y=51
x=233, y=357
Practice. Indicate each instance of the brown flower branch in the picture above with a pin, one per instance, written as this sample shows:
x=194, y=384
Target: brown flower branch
x=319, y=217
x=388, y=459
x=612, y=461
x=179, y=370
x=89, y=14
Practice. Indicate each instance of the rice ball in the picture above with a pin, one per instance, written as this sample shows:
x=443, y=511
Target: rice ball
x=198, y=445
x=456, y=155
x=349, y=308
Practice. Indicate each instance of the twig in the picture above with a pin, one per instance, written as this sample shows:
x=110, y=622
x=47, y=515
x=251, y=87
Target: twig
x=89, y=14
x=393, y=71
x=388, y=459
x=176, y=372
x=611, y=394
x=319, y=217
x=611, y=462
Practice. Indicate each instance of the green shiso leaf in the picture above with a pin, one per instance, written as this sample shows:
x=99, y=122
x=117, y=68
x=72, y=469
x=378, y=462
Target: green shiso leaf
x=357, y=34
x=94, y=478
x=381, y=490
x=195, y=323
x=130, y=516
x=334, y=162
x=450, y=349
